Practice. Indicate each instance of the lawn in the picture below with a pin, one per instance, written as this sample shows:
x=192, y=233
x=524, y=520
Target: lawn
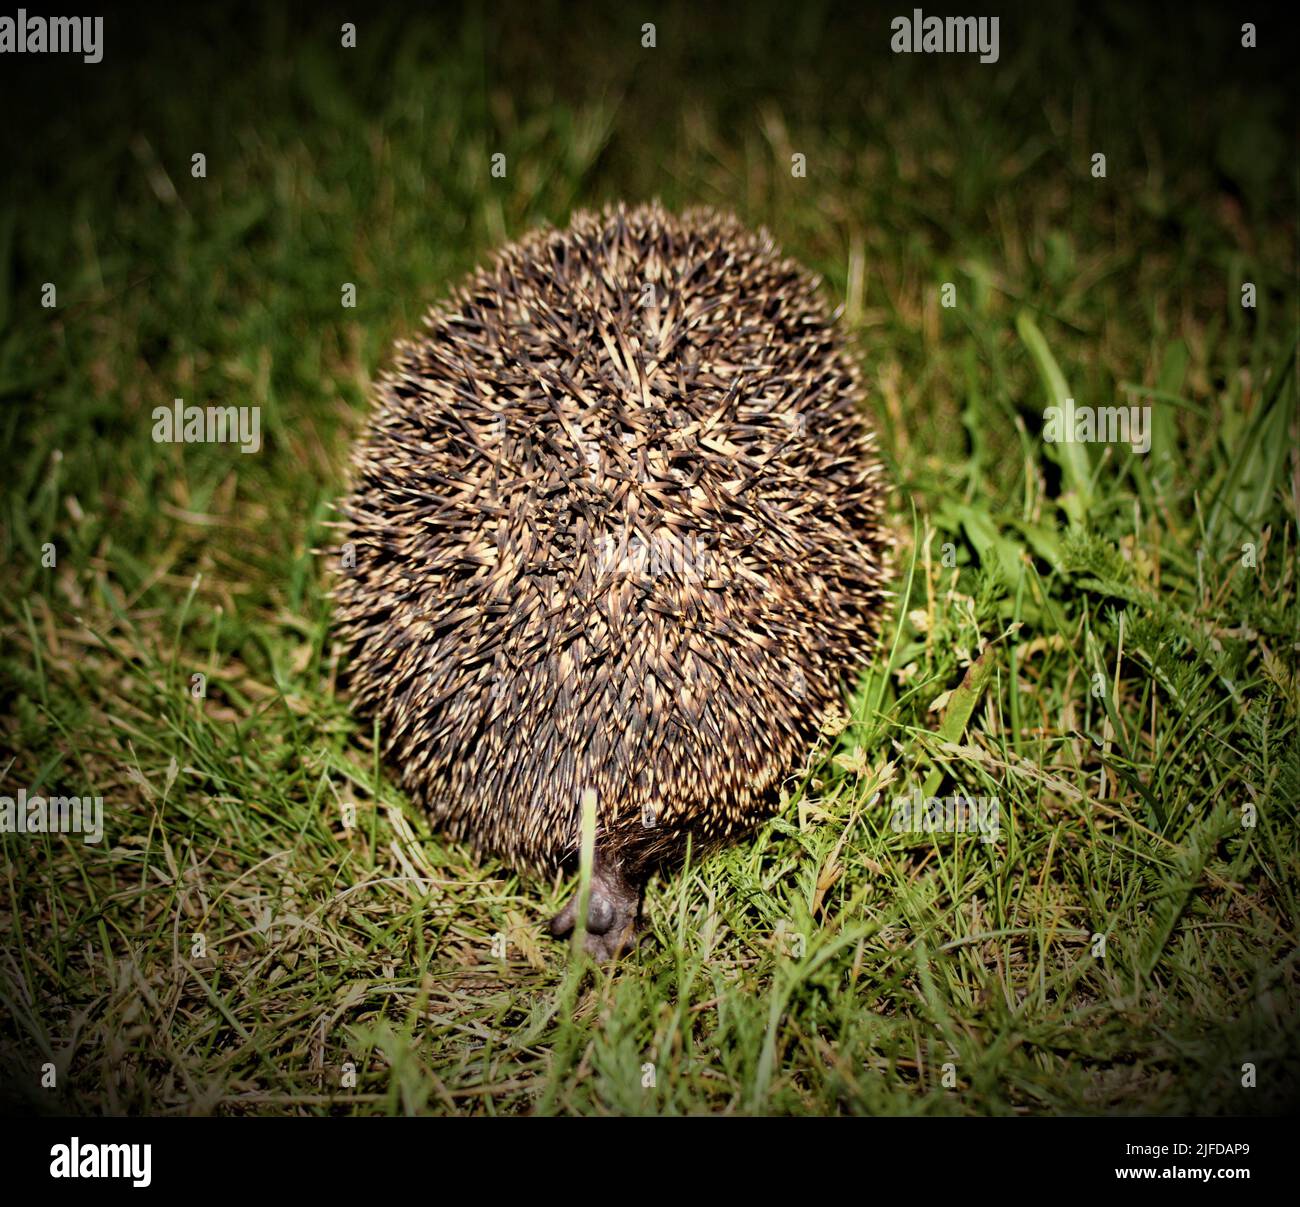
x=1101, y=639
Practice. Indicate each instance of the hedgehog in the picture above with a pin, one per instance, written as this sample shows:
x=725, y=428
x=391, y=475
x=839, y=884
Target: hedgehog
x=613, y=533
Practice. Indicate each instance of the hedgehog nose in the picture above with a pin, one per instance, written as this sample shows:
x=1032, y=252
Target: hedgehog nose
x=600, y=915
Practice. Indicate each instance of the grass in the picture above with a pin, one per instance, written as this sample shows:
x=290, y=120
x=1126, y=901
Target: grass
x=1105, y=642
